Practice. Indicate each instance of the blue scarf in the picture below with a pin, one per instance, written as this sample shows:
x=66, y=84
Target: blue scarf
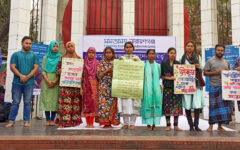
x=152, y=91
x=52, y=58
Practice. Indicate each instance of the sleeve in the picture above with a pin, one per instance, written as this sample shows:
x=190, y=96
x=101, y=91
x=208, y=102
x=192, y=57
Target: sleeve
x=237, y=63
x=99, y=70
x=59, y=66
x=136, y=57
x=43, y=65
x=207, y=66
x=36, y=59
x=160, y=70
x=13, y=59
x=200, y=62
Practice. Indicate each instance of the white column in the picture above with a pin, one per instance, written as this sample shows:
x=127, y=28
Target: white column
x=235, y=10
x=128, y=17
x=209, y=34
x=79, y=21
x=176, y=23
x=19, y=27
x=49, y=21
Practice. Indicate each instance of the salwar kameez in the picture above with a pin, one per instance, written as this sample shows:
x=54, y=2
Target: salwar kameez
x=172, y=103
x=107, y=110
x=69, y=105
x=130, y=108
x=151, y=110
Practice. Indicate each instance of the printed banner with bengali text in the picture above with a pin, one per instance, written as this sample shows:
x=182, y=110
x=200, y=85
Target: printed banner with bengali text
x=128, y=78
x=231, y=85
x=185, y=79
x=141, y=44
x=71, y=74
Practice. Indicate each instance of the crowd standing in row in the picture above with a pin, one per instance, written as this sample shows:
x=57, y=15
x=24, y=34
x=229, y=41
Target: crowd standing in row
x=94, y=101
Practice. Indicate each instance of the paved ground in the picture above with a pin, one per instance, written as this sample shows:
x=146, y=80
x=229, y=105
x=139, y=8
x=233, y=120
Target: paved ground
x=38, y=128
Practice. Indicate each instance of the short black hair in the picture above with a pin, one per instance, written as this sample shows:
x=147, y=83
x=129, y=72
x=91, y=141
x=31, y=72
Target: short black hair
x=130, y=44
x=149, y=50
x=170, y=49
x=219, y=45
x=27, y=38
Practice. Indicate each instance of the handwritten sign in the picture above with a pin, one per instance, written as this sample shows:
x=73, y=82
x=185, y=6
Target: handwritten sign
x=185, y=79
x=128, y=78
x=231, y=85
x=71, y=75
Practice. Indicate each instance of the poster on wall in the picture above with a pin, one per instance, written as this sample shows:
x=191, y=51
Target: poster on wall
x=184, y=82
x=40, y=50
x=141, y=44
x=71, y=74
x=231, y=85
x=231, y=54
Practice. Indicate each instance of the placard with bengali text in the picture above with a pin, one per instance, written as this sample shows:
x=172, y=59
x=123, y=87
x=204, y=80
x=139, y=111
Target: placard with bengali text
x=71, y=74
x=185, y=79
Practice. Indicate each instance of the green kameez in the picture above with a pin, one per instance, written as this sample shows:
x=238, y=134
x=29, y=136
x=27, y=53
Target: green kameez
x=48, y=96
x=151, y=110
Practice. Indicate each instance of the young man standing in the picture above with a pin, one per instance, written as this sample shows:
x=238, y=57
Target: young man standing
x=24, y=65
x=219, y=110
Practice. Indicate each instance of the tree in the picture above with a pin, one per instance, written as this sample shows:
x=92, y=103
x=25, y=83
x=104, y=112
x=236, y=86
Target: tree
x=4, y=24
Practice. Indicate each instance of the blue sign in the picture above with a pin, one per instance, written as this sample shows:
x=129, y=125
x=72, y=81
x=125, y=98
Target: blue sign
x=231, y=54
x=41, y=51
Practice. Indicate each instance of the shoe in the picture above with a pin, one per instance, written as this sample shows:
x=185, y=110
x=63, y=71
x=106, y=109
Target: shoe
x=197, y=129
x=191, y=128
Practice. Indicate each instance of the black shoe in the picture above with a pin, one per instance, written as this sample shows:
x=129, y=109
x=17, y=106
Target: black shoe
x=197, y=129
x=191, y=129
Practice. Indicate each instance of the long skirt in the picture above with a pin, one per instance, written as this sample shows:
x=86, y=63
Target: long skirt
x=172, y=103
x=219, y=110
x=69, y=110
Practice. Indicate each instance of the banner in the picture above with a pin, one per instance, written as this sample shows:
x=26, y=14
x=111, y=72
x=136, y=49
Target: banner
x=128, y=78
x=185, y=79
x=40, y=50
x=71, y=74
x=231, y=85
x=141, y=44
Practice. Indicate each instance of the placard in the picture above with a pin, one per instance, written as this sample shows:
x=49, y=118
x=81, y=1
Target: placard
x=71, y=74
x=231, y=85
x=184, y=82
x=128, y=76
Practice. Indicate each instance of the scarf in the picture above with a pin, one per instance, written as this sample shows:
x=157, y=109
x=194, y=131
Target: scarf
x=152, y=91
x=89, y=73
x=194, y=59
x=52, y=58
x=71, y=55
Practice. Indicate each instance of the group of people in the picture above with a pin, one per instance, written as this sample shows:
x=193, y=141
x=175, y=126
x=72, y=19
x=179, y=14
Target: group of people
x=94, y=101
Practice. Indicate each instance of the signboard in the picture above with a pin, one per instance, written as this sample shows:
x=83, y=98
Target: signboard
x=231, y=85
x=184, y=82
x=71, y=74
x=41, y=51
x=141, y=44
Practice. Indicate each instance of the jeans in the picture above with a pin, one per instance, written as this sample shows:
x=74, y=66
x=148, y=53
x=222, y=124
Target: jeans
x=17, y=92
x=47, y=114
